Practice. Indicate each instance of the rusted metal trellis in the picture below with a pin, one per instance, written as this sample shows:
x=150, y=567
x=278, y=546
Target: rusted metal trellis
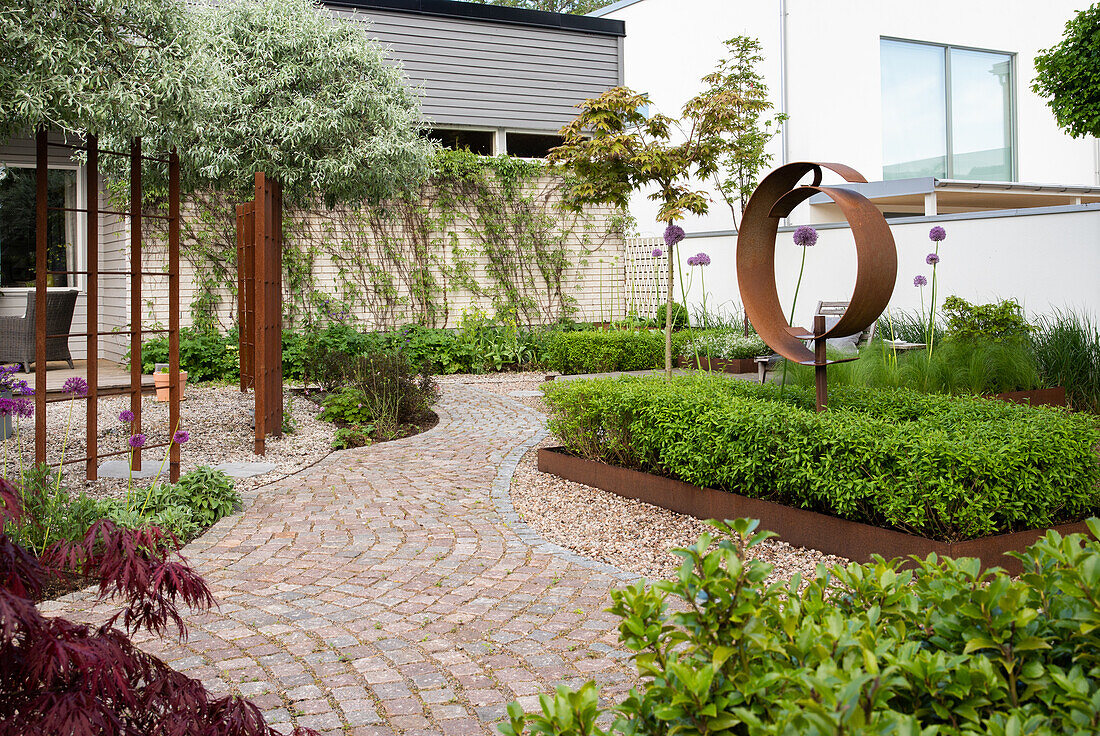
x=93, y=273
x=260, y=304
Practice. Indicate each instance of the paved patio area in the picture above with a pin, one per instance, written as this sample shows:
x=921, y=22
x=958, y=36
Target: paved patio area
x=392, y=590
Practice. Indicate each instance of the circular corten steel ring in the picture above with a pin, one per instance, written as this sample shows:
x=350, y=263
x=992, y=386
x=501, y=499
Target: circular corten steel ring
x=876, y=255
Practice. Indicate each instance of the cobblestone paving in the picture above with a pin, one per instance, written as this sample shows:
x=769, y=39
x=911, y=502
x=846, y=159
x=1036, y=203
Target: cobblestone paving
x=392, y=590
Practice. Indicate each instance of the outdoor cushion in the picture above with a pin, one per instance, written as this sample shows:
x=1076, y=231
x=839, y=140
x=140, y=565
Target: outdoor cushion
x=845, y=344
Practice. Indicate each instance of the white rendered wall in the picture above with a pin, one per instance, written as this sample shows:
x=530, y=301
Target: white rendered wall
x=833, y=73
x=1045, y=261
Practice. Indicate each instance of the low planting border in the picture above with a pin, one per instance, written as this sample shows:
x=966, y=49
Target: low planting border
x=798, y=527
x=721, y=365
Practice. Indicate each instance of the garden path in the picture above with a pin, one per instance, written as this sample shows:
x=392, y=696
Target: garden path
x=392, y=590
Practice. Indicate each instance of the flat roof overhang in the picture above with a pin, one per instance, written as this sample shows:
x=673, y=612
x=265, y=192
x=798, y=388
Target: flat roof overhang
x=499, y=14
x=931, y=196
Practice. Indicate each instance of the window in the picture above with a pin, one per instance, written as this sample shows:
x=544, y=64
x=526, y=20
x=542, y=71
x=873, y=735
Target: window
x=947, y=112
x=17, y=226
x=531, y=145
x=474, y=141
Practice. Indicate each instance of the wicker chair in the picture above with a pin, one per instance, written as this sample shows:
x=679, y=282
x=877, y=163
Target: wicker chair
x=17, y=333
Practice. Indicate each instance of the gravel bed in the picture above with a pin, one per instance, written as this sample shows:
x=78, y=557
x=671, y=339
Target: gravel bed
x=629, y=534
x=218, y=418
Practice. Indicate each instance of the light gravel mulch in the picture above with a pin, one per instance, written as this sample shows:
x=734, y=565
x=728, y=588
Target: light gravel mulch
x=632, y=535
x=218, y=419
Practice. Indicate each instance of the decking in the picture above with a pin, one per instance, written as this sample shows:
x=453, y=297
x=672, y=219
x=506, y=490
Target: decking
x=113, y=378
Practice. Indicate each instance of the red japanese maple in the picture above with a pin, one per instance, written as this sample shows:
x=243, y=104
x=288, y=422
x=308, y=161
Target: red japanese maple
x=59, y=678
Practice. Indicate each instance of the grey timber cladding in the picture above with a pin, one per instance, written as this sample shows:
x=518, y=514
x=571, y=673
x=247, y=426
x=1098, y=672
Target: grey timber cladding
x=478, y=73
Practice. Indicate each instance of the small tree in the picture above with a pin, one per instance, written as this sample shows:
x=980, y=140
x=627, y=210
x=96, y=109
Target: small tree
x=1069, y=75
x=576, y=7
x=613, y=149
x=734, y=109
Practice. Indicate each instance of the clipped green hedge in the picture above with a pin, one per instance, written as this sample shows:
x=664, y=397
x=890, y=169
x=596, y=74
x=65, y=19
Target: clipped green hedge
x=946, y=468
x=600, y=352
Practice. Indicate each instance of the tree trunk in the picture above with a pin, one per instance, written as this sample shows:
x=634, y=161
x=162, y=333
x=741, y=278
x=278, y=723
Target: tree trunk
x=668, y=313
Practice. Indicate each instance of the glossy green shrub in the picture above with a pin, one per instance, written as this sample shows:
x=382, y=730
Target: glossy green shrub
x=679, y=316
x=602, y=351
x=943, y=467
x=205, y=355
x=859, y=650
x=1003, y=320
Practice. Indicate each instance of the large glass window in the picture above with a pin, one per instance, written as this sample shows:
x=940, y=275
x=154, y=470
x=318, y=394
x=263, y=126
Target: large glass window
x=17, y=226
x=946, y=112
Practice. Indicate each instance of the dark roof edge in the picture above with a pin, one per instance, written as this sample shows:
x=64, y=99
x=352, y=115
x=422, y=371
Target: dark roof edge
x=492, y=14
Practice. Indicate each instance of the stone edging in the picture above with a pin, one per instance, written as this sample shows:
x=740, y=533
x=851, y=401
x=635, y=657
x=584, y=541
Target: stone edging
x=502, y=501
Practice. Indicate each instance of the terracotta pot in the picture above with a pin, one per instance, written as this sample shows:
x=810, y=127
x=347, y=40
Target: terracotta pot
x=160, y=380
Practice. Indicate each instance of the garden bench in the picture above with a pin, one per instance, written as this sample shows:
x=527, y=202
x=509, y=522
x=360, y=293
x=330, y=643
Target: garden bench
x=832, y=312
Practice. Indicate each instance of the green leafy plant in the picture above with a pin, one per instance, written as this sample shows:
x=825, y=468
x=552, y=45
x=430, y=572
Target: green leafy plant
x=347, y=405
x=727, y=344
x=601, y=351
x=352, y=435
x=679, y=316
x=209, y=493
x=862, y=649
x=1003, y=320
x=1068, y=74
x=204, y=354
x=948, y=468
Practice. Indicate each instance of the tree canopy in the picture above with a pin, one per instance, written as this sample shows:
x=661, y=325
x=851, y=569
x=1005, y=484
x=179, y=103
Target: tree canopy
x=1069, y=75
x=575, y=7
x=93, y=65
x=279, y=86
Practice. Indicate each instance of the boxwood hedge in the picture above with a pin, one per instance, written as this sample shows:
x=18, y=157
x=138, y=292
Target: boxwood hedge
x=943, y=467
x=593, y=351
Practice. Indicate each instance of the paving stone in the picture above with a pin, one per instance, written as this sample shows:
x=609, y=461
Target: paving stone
x=245, y=469
x=121, y=469
x=392, y=590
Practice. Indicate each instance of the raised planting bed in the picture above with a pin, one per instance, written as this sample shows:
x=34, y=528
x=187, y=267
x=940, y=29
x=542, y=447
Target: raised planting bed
x=799, y=527
x=932, y=473
x=720, y=365
x=1055, y=396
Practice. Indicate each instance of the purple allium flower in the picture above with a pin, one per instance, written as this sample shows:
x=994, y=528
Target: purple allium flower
x=937, y=234
x=657, y=252
x=673, y=235
x=702, y=259
x=931, y=259
x=126, y=416
x=76, y=386
x=181, y=436
x=16, y=407
x=805, y=236
x=137, y=441
x=920, y=281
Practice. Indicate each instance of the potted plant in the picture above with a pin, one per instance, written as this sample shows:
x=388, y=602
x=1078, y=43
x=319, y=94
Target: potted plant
x=160, y=380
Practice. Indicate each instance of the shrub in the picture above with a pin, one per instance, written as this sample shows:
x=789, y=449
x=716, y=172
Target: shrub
x=207, y=492
x=205, y=355
x=345, y=406
x=725, y=344
x=861, y=649
x=385, y=392
x=599, y=352
x=679, y=316
x=1067, y=348
x=60, y=677
x=1003, y=320
x=946, y=468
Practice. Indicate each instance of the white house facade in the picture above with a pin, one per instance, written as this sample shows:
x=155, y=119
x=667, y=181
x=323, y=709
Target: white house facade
x=932, y=103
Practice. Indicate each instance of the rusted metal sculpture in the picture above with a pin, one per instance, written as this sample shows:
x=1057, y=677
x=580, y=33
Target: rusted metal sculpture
x=260, y=305
x=876, y=264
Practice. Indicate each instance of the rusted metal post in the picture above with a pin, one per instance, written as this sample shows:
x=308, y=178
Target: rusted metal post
x=821, y=377
x=242, y=331
x=274, y=322
x=135, y=293
x=173, y=313
x=259, y=283
x=42, y=193
x=91, y=172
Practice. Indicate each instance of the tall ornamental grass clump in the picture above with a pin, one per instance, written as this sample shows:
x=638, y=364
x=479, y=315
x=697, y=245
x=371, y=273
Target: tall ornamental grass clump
x=942, y=467
x=858, y=650
x=1067, y=347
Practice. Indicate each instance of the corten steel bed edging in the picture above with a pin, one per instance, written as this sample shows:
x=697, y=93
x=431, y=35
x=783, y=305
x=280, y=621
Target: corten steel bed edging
x=92, y=212
x=876, y=263
x=798, y=527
